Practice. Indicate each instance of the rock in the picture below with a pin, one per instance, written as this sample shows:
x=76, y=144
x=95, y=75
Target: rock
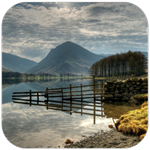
x=135, y=79
x=118, y=86
x=110, y=126
x=118, y=82
x=116, y=92
x=125, y=93
x=125, y=98
x=144, y=91
x=138, y=83
x=110, y=82
x=144, y=83
x=131, y=88
x=108, y=96
x=106, y=89
x=68, y=141
x=145, y=87
x=118, y=95
x=122, y=85
x=138, y=88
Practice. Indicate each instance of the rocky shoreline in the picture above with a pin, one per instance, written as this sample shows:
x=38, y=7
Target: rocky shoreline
x=110, y=139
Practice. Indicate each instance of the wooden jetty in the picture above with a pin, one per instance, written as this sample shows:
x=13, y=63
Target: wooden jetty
x=82, y=99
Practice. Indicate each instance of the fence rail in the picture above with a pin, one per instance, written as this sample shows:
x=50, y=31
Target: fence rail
x=83, y=100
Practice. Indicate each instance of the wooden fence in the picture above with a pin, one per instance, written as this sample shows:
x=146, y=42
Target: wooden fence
x=82, y=99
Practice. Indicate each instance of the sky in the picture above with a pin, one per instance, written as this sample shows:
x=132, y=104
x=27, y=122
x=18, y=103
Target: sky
x=31, y=30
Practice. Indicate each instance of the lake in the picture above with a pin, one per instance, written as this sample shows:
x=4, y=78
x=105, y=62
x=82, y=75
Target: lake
x=33, y=126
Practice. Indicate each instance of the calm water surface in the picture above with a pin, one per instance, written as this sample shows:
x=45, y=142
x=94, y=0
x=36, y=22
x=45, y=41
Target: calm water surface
x=35, y=126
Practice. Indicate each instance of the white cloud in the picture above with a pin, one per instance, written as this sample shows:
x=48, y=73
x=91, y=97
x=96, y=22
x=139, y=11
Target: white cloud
x=42, y=26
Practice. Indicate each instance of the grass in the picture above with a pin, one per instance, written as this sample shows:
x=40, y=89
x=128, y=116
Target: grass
x=141, y=96
x=134, y=122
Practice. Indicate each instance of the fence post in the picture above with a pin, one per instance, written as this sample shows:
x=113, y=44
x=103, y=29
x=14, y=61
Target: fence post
x=47, y=97
x=94, y=85
x=37, y=98
x=70, y=99
x=30, y=97
x=102, y=90
x=81, y=99
x=62, y=97
x=94, y=98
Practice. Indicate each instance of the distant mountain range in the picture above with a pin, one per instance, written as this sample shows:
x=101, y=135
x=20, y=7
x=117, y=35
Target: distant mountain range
x=16, y=64
x=66, y=58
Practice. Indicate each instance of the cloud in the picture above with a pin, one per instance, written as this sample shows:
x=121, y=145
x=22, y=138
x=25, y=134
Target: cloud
x=31, y=30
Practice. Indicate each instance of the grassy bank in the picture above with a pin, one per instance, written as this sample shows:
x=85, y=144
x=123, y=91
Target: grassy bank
x=134, y=122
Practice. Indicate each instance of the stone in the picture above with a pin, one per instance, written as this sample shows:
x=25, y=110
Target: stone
x=118, y=86
x=144, y=83
x=106, y=89
x=110, y=126
x=129, y=95
x=118, y=95
x=135, y=79
x=122, y=85
x=138, y=83
x=140, y=80
x=116, y=92
x=138, y=88
x=110, y=82
x=131, y=88
x=126, y=90
x=145, y=87
x=125, y=98
x=127, y=85
x=118, y=82
x=125, y=93
x=144, y=91
x=108, y=96
x=68, y=141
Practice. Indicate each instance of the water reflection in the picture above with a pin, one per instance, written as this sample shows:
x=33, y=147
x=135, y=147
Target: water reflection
x=34, y=126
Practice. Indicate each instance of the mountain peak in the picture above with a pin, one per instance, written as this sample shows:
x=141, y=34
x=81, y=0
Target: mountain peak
x=66, y=58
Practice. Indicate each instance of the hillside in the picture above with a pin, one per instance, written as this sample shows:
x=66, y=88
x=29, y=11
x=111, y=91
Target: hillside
x=15, y=63
x=66, y=58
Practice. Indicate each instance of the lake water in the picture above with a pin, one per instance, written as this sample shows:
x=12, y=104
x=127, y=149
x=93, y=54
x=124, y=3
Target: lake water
x=35, y=126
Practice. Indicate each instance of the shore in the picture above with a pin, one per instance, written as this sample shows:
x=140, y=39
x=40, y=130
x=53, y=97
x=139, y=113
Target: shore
x=110, y=139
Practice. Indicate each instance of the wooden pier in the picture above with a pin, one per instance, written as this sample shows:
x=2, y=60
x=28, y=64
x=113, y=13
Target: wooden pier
x=82, y=99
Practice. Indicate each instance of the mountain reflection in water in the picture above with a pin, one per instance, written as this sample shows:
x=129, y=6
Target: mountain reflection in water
x=34, y=126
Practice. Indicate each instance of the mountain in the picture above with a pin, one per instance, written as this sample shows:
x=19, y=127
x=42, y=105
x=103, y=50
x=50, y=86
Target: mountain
x=15, y=63
x=66, y=58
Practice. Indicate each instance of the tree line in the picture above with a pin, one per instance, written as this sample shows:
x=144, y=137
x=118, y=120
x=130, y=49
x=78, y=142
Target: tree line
x=120, y=64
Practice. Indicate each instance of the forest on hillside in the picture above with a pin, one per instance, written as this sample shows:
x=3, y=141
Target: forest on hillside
x=130, y=63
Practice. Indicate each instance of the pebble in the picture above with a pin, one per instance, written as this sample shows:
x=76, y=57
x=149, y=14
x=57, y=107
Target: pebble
x=110, y=139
